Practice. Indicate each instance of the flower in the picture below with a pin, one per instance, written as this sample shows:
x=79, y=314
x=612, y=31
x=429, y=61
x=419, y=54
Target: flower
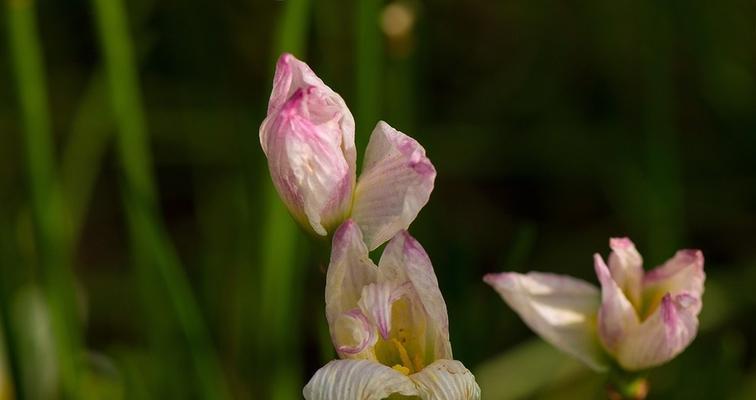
x=308, y=139
x=641, y=319
x=388, y=324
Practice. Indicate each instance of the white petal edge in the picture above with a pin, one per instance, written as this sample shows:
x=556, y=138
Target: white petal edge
x=664, y=335
x=357, y=380
x=396, y=182
x=405, y=260
x=560, y=309
x=446, y=380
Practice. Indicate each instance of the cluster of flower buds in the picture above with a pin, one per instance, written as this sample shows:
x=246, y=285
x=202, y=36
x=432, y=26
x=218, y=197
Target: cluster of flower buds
x=388, y=322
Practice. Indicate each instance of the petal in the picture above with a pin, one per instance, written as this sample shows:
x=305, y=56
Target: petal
x=307, y=164
x=626, y=267
x=617, y=316
x=683, y=273
x=375, y=302
x=446, y=380
x=405, y=260
x=352, y=333
x=666, y=333
x=293, y=74
x=559, y=308
x=396, y=182
x=349, y=271
x=357, y=380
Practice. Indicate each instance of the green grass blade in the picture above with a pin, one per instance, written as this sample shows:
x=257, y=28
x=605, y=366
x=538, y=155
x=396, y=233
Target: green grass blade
x=46, y=198
x=151, y=244
x=88, y=141
x=369, y=68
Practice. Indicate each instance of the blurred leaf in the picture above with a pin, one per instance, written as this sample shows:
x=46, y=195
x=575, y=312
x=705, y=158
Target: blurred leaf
x=36, y=347
x=526, y=370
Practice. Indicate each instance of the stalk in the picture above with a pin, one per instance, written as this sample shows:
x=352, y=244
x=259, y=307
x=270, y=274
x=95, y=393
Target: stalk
x=154, y=252
x=51, y=237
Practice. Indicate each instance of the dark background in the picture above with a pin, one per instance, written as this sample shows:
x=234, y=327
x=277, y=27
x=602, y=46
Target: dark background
x=552, y=125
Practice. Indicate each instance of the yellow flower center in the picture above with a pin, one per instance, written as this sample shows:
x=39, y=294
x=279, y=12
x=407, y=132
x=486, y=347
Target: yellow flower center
x=403, y=350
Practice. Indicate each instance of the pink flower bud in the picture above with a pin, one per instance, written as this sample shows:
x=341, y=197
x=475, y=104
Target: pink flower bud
x=308, y=138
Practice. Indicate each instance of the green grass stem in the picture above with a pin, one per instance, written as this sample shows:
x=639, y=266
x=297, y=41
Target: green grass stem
x=151, y=244
x=44, y=189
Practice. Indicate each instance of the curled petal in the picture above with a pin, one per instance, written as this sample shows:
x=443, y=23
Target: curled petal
x=446, y=380
x=357, y=380
x=683, y=273
x=616, y=316
x=561, y=309
x=626, y=267
x=396, y=182
x=349, y=271
x=352, y=333
x=661, y=337
x=404, y=260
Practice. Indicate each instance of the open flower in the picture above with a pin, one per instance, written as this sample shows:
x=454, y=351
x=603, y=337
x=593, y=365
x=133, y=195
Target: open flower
x=641, y=319
x=308, y=138
x=388, y=324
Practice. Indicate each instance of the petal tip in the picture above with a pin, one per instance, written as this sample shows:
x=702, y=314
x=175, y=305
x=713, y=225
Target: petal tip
x=501, y=280
x=602, y=270
x=621, y=243
x=346, y=227
x=284, y=59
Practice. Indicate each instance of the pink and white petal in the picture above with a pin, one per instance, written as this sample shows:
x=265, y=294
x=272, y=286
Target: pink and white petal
x=375, y=303
x=323, y=103
x=353, y=334
x=307, y=165
x=405, y=260
x=396, y=182
x=446, y=380
x=349, y=271
x=626, y=267
x=683, y=273
x=616, y=316
x=357, y=380
x=292, y=74
x=664, y=335
x=560, y=309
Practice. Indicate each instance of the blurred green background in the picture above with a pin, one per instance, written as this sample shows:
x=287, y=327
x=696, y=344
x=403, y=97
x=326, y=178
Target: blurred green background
x=144, y=254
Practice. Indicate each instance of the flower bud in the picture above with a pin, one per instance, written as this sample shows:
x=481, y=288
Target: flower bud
x=308, y=138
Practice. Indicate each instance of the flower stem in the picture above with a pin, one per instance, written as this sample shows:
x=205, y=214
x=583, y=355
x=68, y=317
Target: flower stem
x=627, y=386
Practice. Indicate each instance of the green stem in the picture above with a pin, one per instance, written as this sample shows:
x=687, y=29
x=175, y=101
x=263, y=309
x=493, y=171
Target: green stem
x=280, y=279
x=8, y=285
x=369, y=68
x=46, y=198
x=89, y=138
x=627, y=386
x=151, y=244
